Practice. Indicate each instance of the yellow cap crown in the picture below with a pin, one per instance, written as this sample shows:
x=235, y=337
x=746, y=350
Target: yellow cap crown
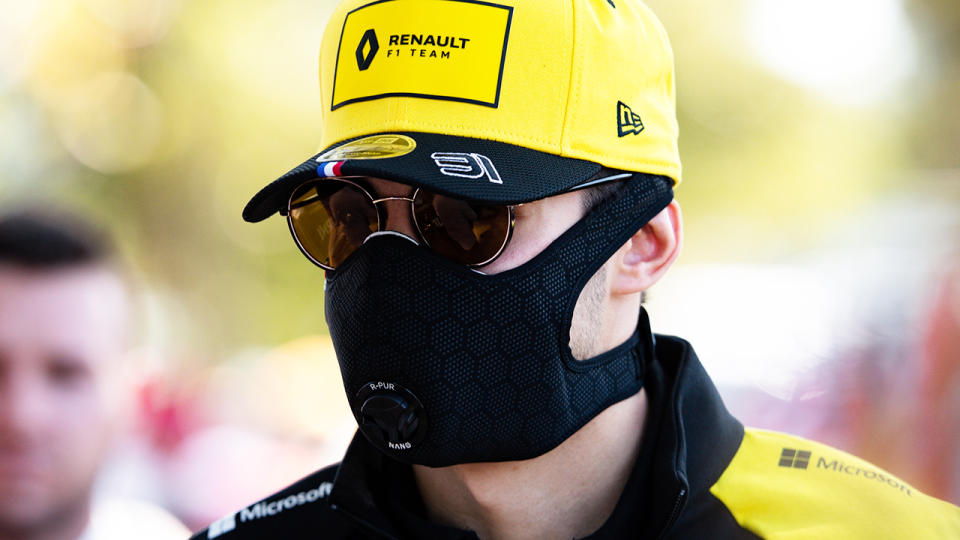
x=503, y=102
x=585, y=79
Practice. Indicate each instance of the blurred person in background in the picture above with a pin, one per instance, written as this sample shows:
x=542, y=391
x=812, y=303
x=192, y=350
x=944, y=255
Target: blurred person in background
x=64, y=315
x=493, y=198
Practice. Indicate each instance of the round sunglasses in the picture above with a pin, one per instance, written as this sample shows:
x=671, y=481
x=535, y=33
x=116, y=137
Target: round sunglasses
x=330, y=218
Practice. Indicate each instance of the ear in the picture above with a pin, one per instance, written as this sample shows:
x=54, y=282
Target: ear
x=649, y=253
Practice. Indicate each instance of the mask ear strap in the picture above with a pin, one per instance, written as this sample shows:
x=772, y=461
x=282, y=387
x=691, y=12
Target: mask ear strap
x=596, y=237
x=593, y=240
x=588, y=243
x=609, y=225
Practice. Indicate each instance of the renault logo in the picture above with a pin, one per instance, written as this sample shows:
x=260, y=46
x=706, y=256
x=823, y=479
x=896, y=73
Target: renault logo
x=369, y=40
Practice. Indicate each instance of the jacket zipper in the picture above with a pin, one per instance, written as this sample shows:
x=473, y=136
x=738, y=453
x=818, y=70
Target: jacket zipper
x=673, y=514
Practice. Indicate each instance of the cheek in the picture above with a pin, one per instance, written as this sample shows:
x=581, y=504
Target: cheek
x=83, y=442
x=83, y=421
x=531, y=235
x=517, y=252
x=70, y=435
x=537, y=225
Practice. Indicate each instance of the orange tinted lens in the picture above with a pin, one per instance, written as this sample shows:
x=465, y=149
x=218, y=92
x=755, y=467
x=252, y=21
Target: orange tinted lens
x=468, y=233
x=331, y=219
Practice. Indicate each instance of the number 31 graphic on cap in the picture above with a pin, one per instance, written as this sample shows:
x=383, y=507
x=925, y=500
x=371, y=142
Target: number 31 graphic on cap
x=466, y=165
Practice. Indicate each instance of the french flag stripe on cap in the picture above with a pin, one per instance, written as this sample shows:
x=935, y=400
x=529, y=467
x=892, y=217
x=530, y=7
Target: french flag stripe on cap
x=329, y=168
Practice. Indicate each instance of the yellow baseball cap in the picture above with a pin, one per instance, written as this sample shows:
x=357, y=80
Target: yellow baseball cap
x=502, y=102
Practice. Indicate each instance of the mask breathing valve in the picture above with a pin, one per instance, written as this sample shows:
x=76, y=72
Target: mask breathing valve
x=391, y=414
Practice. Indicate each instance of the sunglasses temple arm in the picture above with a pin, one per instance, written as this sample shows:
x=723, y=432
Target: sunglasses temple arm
x=599, y=181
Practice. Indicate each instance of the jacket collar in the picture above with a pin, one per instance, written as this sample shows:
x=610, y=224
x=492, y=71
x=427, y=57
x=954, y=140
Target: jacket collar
x=359, y=479
x=697, y=437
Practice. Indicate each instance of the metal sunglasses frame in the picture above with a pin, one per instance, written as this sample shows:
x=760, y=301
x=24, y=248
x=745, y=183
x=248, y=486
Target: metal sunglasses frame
x=376, y=202
x=350, y=181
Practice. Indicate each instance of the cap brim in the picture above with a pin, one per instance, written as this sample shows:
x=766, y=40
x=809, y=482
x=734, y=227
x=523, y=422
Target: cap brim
x=473, y=169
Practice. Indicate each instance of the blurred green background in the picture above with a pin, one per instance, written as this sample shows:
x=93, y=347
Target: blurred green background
x=163, y=117
x=812, y=132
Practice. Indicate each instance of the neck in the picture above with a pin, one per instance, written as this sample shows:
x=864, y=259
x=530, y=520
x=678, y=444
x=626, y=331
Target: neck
x=568, y=492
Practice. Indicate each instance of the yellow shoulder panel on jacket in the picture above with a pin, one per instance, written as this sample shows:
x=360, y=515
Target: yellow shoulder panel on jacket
x=784, y=487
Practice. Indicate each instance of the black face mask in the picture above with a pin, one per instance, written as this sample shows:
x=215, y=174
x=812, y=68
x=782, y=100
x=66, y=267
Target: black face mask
x=444, y=365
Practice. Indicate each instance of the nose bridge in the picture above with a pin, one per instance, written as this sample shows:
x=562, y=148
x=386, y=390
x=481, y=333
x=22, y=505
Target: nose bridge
x=399, y=218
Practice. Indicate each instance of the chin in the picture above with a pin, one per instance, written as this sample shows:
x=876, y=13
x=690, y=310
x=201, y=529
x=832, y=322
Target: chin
x=26, y=506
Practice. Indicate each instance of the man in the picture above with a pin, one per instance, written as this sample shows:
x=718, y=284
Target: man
x=493, y=196
x=63, y=313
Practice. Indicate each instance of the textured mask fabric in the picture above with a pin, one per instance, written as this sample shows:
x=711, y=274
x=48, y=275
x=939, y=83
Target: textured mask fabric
x=487, y=355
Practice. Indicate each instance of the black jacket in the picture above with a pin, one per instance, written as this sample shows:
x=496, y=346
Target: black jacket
x=700, y=475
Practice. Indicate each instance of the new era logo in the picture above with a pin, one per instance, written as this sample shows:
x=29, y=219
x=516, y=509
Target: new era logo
x=627, y=121
x=798, y=459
